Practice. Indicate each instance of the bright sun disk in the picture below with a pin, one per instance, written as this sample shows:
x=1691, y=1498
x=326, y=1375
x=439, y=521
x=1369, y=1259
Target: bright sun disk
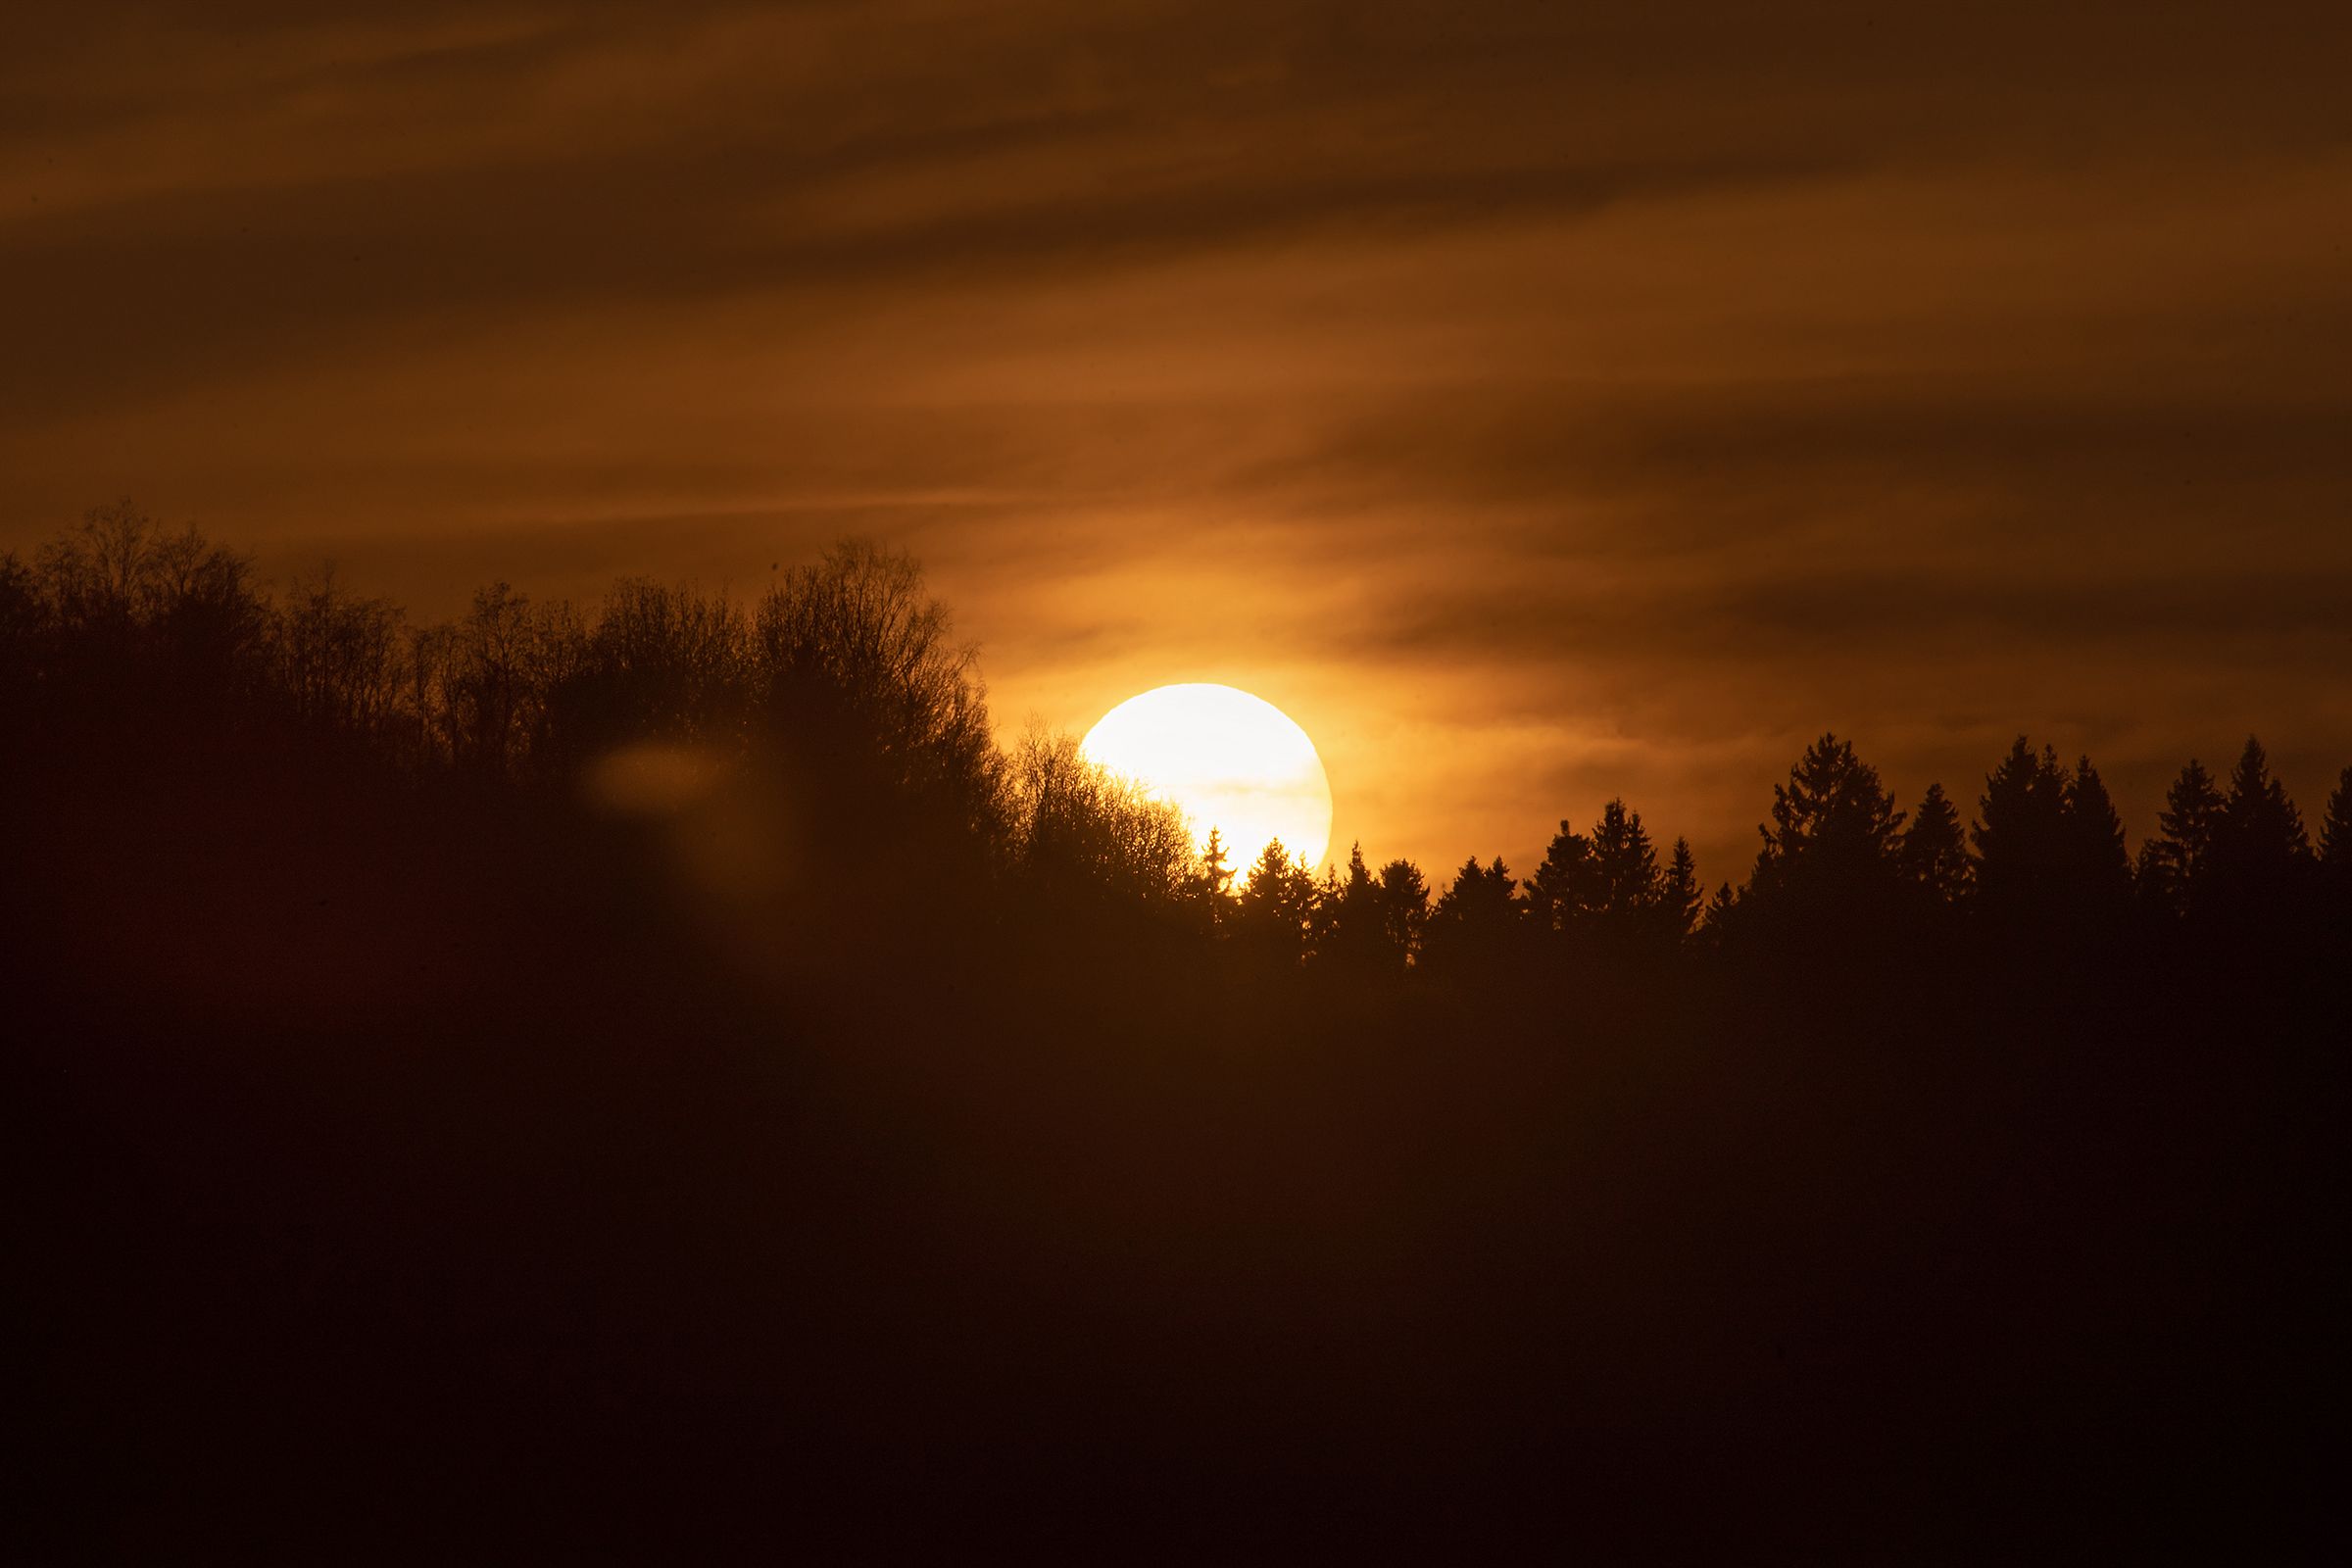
x=1230, y=761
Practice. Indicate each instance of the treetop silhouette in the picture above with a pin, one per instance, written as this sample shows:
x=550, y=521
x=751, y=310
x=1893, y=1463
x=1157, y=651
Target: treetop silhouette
x=841, y=690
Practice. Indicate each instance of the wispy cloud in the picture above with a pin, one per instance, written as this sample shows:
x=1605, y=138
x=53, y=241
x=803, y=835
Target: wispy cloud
x=1540, y=404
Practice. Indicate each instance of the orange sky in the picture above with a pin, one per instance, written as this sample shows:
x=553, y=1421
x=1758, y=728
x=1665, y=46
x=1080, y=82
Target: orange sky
x=1538, y=403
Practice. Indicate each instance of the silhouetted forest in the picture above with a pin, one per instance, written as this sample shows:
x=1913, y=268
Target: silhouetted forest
x=591, y=1079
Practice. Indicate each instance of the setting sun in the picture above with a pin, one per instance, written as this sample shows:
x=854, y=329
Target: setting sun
x=622, y=640
x=1233, y=761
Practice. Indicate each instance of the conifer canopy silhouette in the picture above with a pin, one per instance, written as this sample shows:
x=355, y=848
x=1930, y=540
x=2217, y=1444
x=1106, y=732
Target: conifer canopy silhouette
x=1832, y=837
x=380, y=1031
x=1935, y=849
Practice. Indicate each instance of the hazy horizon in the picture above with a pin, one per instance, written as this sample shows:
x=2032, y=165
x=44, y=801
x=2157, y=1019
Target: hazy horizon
x=1538, y=409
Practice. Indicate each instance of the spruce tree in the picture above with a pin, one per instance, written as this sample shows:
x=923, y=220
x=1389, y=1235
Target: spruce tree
x=1832, y=834
x=1477, y=922
x=1276, y=908
x=1350, y=918
x=1722, y=913
x=1679, y=895
x=2020, y=833
x=2336, y=830
x=1624, y=864
x=2097, y=869
x=2259, y=846
x=1214, y=881
x=2259, y=823
x=1934, y=848
x=2182, y=851
x=2335, y=848
x=1565, y=888
x=1403, y=910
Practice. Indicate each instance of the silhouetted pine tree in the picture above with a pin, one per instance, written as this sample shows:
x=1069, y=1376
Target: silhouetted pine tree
x=2020, y=833
x=1213, y=880
x=1679, y=895
x=2260, y=852
x=2336, y=829
x=1403, y=912
x=1350, y=932
x=1720, y=917
x=1833, y=836
x=1565, y=888
x=2096, y=869
x=1477, y=924
x=2258, y=820
x=2174, y=864
x=2336, y=848
x=1935, y=849
x=1604, y=886
x=1624, y=864
x=1275, y=911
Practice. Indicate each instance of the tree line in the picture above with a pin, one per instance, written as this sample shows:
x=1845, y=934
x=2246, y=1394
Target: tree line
x=550, y=1058
x=842, y=696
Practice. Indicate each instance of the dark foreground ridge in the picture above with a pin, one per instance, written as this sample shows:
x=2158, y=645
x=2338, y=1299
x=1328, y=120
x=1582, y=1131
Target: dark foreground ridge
x=663, y=1080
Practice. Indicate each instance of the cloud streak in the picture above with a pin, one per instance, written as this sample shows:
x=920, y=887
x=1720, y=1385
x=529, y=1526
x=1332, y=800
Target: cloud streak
x=1538, y=406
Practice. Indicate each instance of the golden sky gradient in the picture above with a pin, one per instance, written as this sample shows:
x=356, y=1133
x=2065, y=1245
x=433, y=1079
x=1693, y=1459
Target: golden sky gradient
x=1535, y=402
